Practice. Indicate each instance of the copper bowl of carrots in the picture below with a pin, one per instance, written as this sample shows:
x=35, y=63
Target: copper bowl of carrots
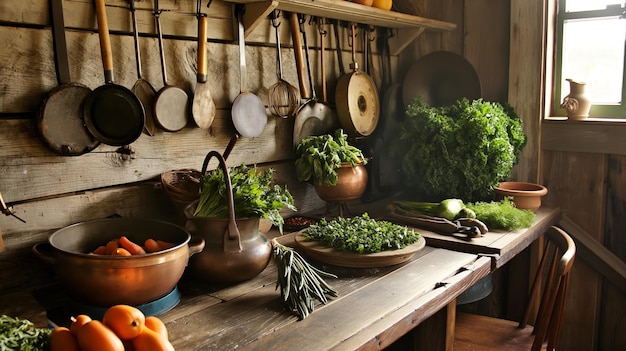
x=134, y=274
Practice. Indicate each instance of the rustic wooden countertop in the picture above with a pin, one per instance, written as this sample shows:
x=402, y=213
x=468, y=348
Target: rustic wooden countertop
x=371, y=303
x=375, y=306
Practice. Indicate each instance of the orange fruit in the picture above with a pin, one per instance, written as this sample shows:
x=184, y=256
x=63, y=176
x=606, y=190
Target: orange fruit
x=78, y=322
x=125, y=321
x=383, y=4
x=95, y=336
x=155, y=324
x=363, y=2
x=151, y=341
x=62, y=339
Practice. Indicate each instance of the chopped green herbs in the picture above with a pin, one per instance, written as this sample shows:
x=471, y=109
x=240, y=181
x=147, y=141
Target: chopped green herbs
x=21, y=335
x=361, y=234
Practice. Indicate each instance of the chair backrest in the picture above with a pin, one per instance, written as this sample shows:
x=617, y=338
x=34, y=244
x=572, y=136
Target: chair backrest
x=553, y=275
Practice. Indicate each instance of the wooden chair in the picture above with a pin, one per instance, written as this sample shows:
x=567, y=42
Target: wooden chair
x=475, y=332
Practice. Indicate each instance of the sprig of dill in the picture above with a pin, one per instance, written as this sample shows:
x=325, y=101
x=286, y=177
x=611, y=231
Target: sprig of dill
x=502, y=214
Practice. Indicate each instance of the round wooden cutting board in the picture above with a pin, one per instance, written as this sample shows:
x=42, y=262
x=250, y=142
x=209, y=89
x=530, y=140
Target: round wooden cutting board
x=335, y=257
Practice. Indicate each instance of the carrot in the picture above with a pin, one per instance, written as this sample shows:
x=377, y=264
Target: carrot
x=164, y=244
x=151, y=245
x=111, y=246
x=131, y=246
x=121, y=252
x=101, y=250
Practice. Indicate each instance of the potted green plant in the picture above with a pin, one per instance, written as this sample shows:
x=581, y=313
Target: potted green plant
x=333, y=166
x=253, y=193
x=226, y=216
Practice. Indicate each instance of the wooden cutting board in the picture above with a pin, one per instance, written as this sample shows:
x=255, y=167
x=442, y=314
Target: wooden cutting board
x=335, y=257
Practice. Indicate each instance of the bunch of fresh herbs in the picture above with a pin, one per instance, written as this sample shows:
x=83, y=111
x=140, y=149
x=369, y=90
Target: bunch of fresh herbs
x=300, y=283
x=318, y=157
x=361, y=234
x=253, y=195
x=21, y=335
x=458, y=151
x=502, y=214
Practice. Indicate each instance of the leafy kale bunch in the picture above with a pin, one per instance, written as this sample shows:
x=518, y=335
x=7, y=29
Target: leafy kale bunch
x=318, y=157
x=253, y=195
x=459, y=151
x=21, y=334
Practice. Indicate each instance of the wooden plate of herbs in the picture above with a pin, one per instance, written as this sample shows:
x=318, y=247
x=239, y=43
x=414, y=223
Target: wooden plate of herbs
x=357, y=231
x=329, y=255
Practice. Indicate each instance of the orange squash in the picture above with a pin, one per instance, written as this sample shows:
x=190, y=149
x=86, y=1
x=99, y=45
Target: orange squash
x=95, y=336
x=155, y=324
x=151, y=341
x=62, y=339
x=125, y=321
x=78, y=322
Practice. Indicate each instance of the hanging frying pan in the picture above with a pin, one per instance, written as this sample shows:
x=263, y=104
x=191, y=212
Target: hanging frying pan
x=356, y=98
x=143, y=89
x=112, y=113
x=171, y=105
x=315, y=117
x=248, y=111
x=203, y=107
x=59, y=118
x=441, y=78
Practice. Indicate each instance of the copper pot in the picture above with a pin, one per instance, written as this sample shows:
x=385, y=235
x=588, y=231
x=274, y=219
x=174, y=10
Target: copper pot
x=102, y=280
x=235, y=250
x=218, y=263
x=351, y=184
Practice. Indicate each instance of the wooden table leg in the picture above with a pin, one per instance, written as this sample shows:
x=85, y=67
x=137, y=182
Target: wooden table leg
x=437, y=332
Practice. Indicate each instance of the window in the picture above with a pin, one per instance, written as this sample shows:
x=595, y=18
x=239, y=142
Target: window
x=591, y=41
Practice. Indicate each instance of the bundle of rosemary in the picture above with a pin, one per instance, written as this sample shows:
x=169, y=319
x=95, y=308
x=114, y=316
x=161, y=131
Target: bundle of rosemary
x=300, y=283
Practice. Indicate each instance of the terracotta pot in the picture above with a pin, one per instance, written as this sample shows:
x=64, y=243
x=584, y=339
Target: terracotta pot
x=525, y=195
x=350, y=186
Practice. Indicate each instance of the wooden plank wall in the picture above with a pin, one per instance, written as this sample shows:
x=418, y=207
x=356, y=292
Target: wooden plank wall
x=50, y=191
x=586, y=178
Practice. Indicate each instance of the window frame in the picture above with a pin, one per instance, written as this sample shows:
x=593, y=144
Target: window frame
x=597, y=111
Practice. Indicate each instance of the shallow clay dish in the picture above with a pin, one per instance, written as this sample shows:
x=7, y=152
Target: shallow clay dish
x=525, y=195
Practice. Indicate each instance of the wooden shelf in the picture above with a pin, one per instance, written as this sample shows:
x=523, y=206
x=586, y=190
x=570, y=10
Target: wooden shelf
x=408, y=27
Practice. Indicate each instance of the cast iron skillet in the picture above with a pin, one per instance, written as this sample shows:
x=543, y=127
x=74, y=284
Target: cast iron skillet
x=112, y=113
x=60, y=120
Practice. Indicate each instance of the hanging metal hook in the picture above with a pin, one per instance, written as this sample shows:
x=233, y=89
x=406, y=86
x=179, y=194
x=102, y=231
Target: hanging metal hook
x=320, y=26
x=352, y=37
x=274, y=15
x=8, y=210
x=371, y=29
